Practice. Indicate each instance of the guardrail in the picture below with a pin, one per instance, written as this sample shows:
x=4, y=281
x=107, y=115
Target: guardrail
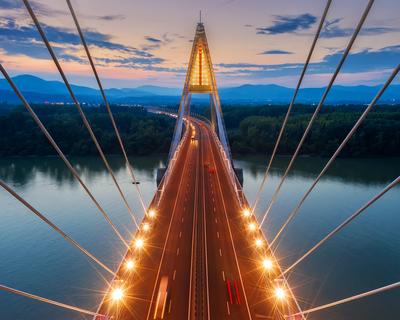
x=164, y=181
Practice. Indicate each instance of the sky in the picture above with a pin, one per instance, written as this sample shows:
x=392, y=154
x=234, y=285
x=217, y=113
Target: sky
x=137, y=42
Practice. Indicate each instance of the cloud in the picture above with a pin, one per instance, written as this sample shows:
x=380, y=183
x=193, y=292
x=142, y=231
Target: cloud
x=18, y=39
x=37, y=7
x=154, y=43
x=112, y=17
x=277, y=51
x=332, y=29
x=10, y=4
x=288, y=24
x=154, y=40
x=363, y=61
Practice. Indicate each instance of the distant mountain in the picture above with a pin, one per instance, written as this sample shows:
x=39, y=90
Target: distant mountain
x=37, y=90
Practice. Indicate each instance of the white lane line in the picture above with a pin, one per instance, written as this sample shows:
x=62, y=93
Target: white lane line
x=223, y=275
x=182, y=219
x=215, y=209
x=170, y=304
x=173, y=277
x=227, y=308
x=177, y=252
x=213, y=199
x=217, y=234
x=168, y=234
x=230, y=233
x=220, y=252
x=216, y=221
x=180, y=234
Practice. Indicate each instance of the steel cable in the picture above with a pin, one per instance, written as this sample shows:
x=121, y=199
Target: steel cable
x=78, y=106
x=314, y=116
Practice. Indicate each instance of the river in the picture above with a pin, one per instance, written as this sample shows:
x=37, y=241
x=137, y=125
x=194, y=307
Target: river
x=364, y=256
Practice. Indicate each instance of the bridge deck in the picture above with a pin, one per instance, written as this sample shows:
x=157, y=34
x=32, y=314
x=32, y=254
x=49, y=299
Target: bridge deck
x=201, y=242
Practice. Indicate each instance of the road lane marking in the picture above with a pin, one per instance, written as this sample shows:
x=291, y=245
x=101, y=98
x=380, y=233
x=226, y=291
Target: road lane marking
x=227, y=308
x=220, y=252
x=177, y=252
x=185, y=162
x=180, y=234
x=223, y=275
x=216, y=221
x=173, y=277
x=170, y=304
x=230, y=232
x=215, y=209
x=217, y=234
x=182, y=219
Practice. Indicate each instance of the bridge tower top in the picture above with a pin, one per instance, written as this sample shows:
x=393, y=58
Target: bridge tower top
x=200, y=79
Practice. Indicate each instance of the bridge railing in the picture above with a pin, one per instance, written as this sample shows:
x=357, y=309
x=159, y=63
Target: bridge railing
x=164, y=181
x=231, y=171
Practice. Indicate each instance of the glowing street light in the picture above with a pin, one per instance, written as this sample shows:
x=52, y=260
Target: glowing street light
x=280, y=293
x=117, y=294
x=267, y=264
x=152, y=213
x=252, y=226
x=259, y=243
x=146, y=226
x=246, y=213
x=130, y=264
x=139, y=243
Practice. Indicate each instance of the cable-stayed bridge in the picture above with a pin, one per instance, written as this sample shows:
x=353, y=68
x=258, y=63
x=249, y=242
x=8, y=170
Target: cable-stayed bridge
x=200, y=252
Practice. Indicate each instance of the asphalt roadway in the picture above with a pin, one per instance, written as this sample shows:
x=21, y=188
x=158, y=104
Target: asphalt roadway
x=201, y=242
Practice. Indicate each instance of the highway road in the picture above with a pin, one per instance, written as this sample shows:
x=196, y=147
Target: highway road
x=199, y=248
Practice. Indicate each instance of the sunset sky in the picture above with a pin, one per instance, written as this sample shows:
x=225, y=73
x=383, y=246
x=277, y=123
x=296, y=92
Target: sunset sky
x=137, y=42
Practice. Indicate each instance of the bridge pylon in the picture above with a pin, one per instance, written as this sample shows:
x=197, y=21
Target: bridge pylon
x=200, y=79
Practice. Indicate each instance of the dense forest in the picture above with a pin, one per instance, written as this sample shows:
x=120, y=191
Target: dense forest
x=142, y=132
x=255, y=129
x=251, y=129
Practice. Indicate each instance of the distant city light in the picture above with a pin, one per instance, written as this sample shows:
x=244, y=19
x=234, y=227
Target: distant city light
x=117, y=294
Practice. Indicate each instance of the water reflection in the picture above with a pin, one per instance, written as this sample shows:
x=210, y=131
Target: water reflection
x=339, y=269
x=366, y=172
x=20, y=171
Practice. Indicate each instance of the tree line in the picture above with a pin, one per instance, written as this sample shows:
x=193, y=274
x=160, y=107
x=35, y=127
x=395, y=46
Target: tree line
x=142, y=132
x=251, y=130
x=255, y=130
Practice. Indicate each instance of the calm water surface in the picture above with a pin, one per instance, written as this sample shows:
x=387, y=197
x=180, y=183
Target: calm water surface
x=364, y=256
